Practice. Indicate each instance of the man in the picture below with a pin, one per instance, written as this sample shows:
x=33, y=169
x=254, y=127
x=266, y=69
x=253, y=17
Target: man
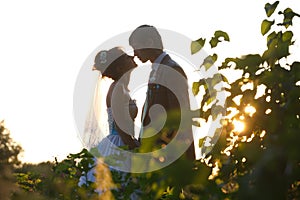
x=167, y=96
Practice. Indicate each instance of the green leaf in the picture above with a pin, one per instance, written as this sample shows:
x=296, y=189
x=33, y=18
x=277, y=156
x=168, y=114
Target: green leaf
x=206, y=96
x=282, y=50
x=288, y=17
x=197, y=45
x=224, y=78
x=272, y=39
x=210, y=83
x=201, y=141
x=266, y=26
x=213, y=42
x=250, y=63
x=270, y=8
x=223, y=34
x=216, y=39
x=217, y=110
x=211, y=99
x=287, y=36
x=195, y=88
x=209, y=61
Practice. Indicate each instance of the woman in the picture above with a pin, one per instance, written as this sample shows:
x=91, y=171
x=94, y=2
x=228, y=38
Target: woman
x=121, y=110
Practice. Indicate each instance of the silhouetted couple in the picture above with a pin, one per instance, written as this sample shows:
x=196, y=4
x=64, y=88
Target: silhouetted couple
x=164, y=119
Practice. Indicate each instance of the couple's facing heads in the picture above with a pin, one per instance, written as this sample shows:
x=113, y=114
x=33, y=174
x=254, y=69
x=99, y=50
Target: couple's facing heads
x=113, y=63
x=147, y=44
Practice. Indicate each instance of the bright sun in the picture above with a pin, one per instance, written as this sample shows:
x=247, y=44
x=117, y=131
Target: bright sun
x=239, y=126
x=250, y=110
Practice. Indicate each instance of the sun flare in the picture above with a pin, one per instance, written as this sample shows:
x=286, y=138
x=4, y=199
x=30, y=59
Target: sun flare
x=250, y=110
x=239, y=126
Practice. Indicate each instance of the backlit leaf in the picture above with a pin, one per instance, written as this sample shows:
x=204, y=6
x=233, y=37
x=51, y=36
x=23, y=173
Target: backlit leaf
x=195, y=88
x=209, y=61
x=216, y=39
x=213, y=42
x=223, y=34
x=197, y=45
x=211, y=99
x=288, y=17
x=270, y=8
x=272, y=39
x=201, y=141
x=224, y=78
x=217, y=110
x=287, y=36
x=266, y=26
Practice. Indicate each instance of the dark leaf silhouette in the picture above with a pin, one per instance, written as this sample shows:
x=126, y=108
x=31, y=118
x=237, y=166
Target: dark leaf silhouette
x=217, y=38
x=265, y=26
x=288, y=17
x=270, y=8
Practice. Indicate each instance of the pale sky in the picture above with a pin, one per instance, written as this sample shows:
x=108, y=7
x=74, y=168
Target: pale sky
x=43, y=45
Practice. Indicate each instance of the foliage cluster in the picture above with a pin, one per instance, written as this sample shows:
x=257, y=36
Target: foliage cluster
x=258, y=161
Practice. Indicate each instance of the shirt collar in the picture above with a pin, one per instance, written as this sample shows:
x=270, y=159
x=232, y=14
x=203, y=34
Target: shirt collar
x=158, y=60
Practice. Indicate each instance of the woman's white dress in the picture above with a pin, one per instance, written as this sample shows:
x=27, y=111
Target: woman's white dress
x=108, y=147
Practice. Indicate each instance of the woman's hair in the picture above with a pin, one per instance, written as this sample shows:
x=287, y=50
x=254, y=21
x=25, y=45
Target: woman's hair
x=142, y=34
x=109, y=61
